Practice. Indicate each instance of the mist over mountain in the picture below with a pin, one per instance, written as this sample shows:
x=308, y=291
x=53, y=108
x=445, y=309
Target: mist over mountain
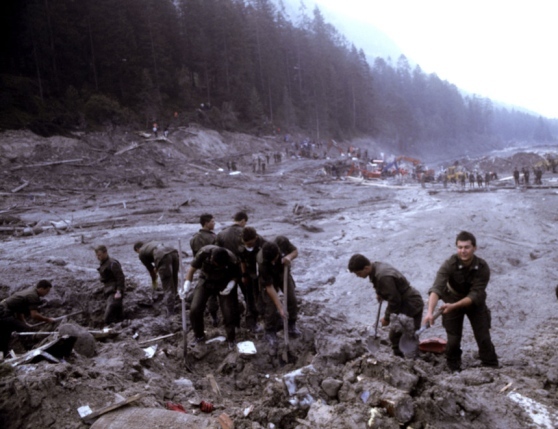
x=373, y=41
x=248, y=66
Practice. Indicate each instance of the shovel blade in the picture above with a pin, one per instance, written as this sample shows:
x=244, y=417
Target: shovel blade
x=372, y=344
x=409, y=344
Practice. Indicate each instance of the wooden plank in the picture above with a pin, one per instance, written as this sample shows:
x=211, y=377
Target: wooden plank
x=144, y=342
x=46, y=164
x=90, y=417
x=30, y=194
x=20, y=187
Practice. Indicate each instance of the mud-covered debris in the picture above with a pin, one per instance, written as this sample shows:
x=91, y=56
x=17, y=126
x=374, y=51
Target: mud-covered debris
x=85, y=343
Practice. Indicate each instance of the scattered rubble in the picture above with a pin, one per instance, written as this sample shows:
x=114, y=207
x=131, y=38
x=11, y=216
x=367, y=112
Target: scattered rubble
x=117, y=188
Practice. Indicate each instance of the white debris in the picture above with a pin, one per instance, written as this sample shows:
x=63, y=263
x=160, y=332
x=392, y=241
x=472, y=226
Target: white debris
x=537, y=411
x=219, y=339
x=290, y=378
x=84, y=410
x=246, y=348
x=150, y=351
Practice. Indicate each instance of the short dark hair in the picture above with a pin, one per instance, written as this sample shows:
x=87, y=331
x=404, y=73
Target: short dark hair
x=44, y=284
x=249, y=233
x=239, y=216
x=220, y=256
x=358, y=262
x=205, y=218
x=138, y=244
x=270, y=251
x=466, y=236
x=101, y=248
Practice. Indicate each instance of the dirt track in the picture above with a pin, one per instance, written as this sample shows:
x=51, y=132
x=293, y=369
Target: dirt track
x=157, y=191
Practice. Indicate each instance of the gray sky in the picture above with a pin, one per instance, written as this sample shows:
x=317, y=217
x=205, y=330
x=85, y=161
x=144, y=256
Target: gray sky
x=503, y=50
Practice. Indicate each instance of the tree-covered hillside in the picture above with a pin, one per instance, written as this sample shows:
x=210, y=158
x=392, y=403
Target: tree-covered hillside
x=66, y=64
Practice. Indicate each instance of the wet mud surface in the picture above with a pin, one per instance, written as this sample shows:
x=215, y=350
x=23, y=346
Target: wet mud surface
x=122, y=189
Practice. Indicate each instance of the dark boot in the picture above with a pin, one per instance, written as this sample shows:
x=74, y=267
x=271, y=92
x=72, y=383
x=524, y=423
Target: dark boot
x=293, y=330
x=199, y=340
x=454, y=366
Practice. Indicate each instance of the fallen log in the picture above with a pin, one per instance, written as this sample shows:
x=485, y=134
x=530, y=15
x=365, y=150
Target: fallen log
x=11, y=228
x=46, y=164
x=98, y=335
x=201, y=168
x=129, y=148
x=30, y=194
x=152, y=340
x=110, y=222
x=90, y=417
x=20, y=187
x=58, y=348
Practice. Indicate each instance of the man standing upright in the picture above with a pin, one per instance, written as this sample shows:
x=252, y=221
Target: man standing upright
x=231, y=237
x=202, y=238
x=391, y=286
x=461, y=283
x=16, y=307
x=205, y=235
x=162, y=260
x=516, y=176
x=114, y=284
x=253, y=242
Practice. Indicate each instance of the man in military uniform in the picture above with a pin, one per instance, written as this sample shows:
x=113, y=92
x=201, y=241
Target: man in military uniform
x=205, y=235
x=114, y=285
x=253, y=243
x=231, y=238
x=516, y=176
x=162, y=260
x=272, y=258
x=461, y=283
x=16, y=307
x=390, y=286
x=202, y=238
x=219, y=273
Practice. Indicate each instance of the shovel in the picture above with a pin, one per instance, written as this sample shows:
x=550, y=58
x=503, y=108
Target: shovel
x=409, y=342
x=371, y=343
x=285, y=321
x=184, y=320
x=58, y=319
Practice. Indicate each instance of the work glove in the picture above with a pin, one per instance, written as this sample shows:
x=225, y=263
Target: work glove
x=184, y=290
x=228, y=289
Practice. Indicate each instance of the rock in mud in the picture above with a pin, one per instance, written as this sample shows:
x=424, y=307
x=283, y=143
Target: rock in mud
x=85, y=344
x=331, y=387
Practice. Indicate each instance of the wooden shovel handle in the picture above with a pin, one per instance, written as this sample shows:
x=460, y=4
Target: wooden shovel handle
x=425, y=327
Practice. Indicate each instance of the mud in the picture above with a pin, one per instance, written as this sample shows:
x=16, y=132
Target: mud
x=118, y=188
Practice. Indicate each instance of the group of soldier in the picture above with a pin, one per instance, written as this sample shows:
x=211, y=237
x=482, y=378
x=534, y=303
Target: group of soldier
x=236, y=258
x=239, y=258
x=460, y=282
x=524, y=178
x=473, y=177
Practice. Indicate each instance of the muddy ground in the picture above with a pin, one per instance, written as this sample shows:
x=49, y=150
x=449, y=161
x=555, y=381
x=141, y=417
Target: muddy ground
x=114, y=189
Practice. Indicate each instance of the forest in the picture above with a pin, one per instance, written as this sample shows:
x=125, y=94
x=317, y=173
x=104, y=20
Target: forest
x=238, y=65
